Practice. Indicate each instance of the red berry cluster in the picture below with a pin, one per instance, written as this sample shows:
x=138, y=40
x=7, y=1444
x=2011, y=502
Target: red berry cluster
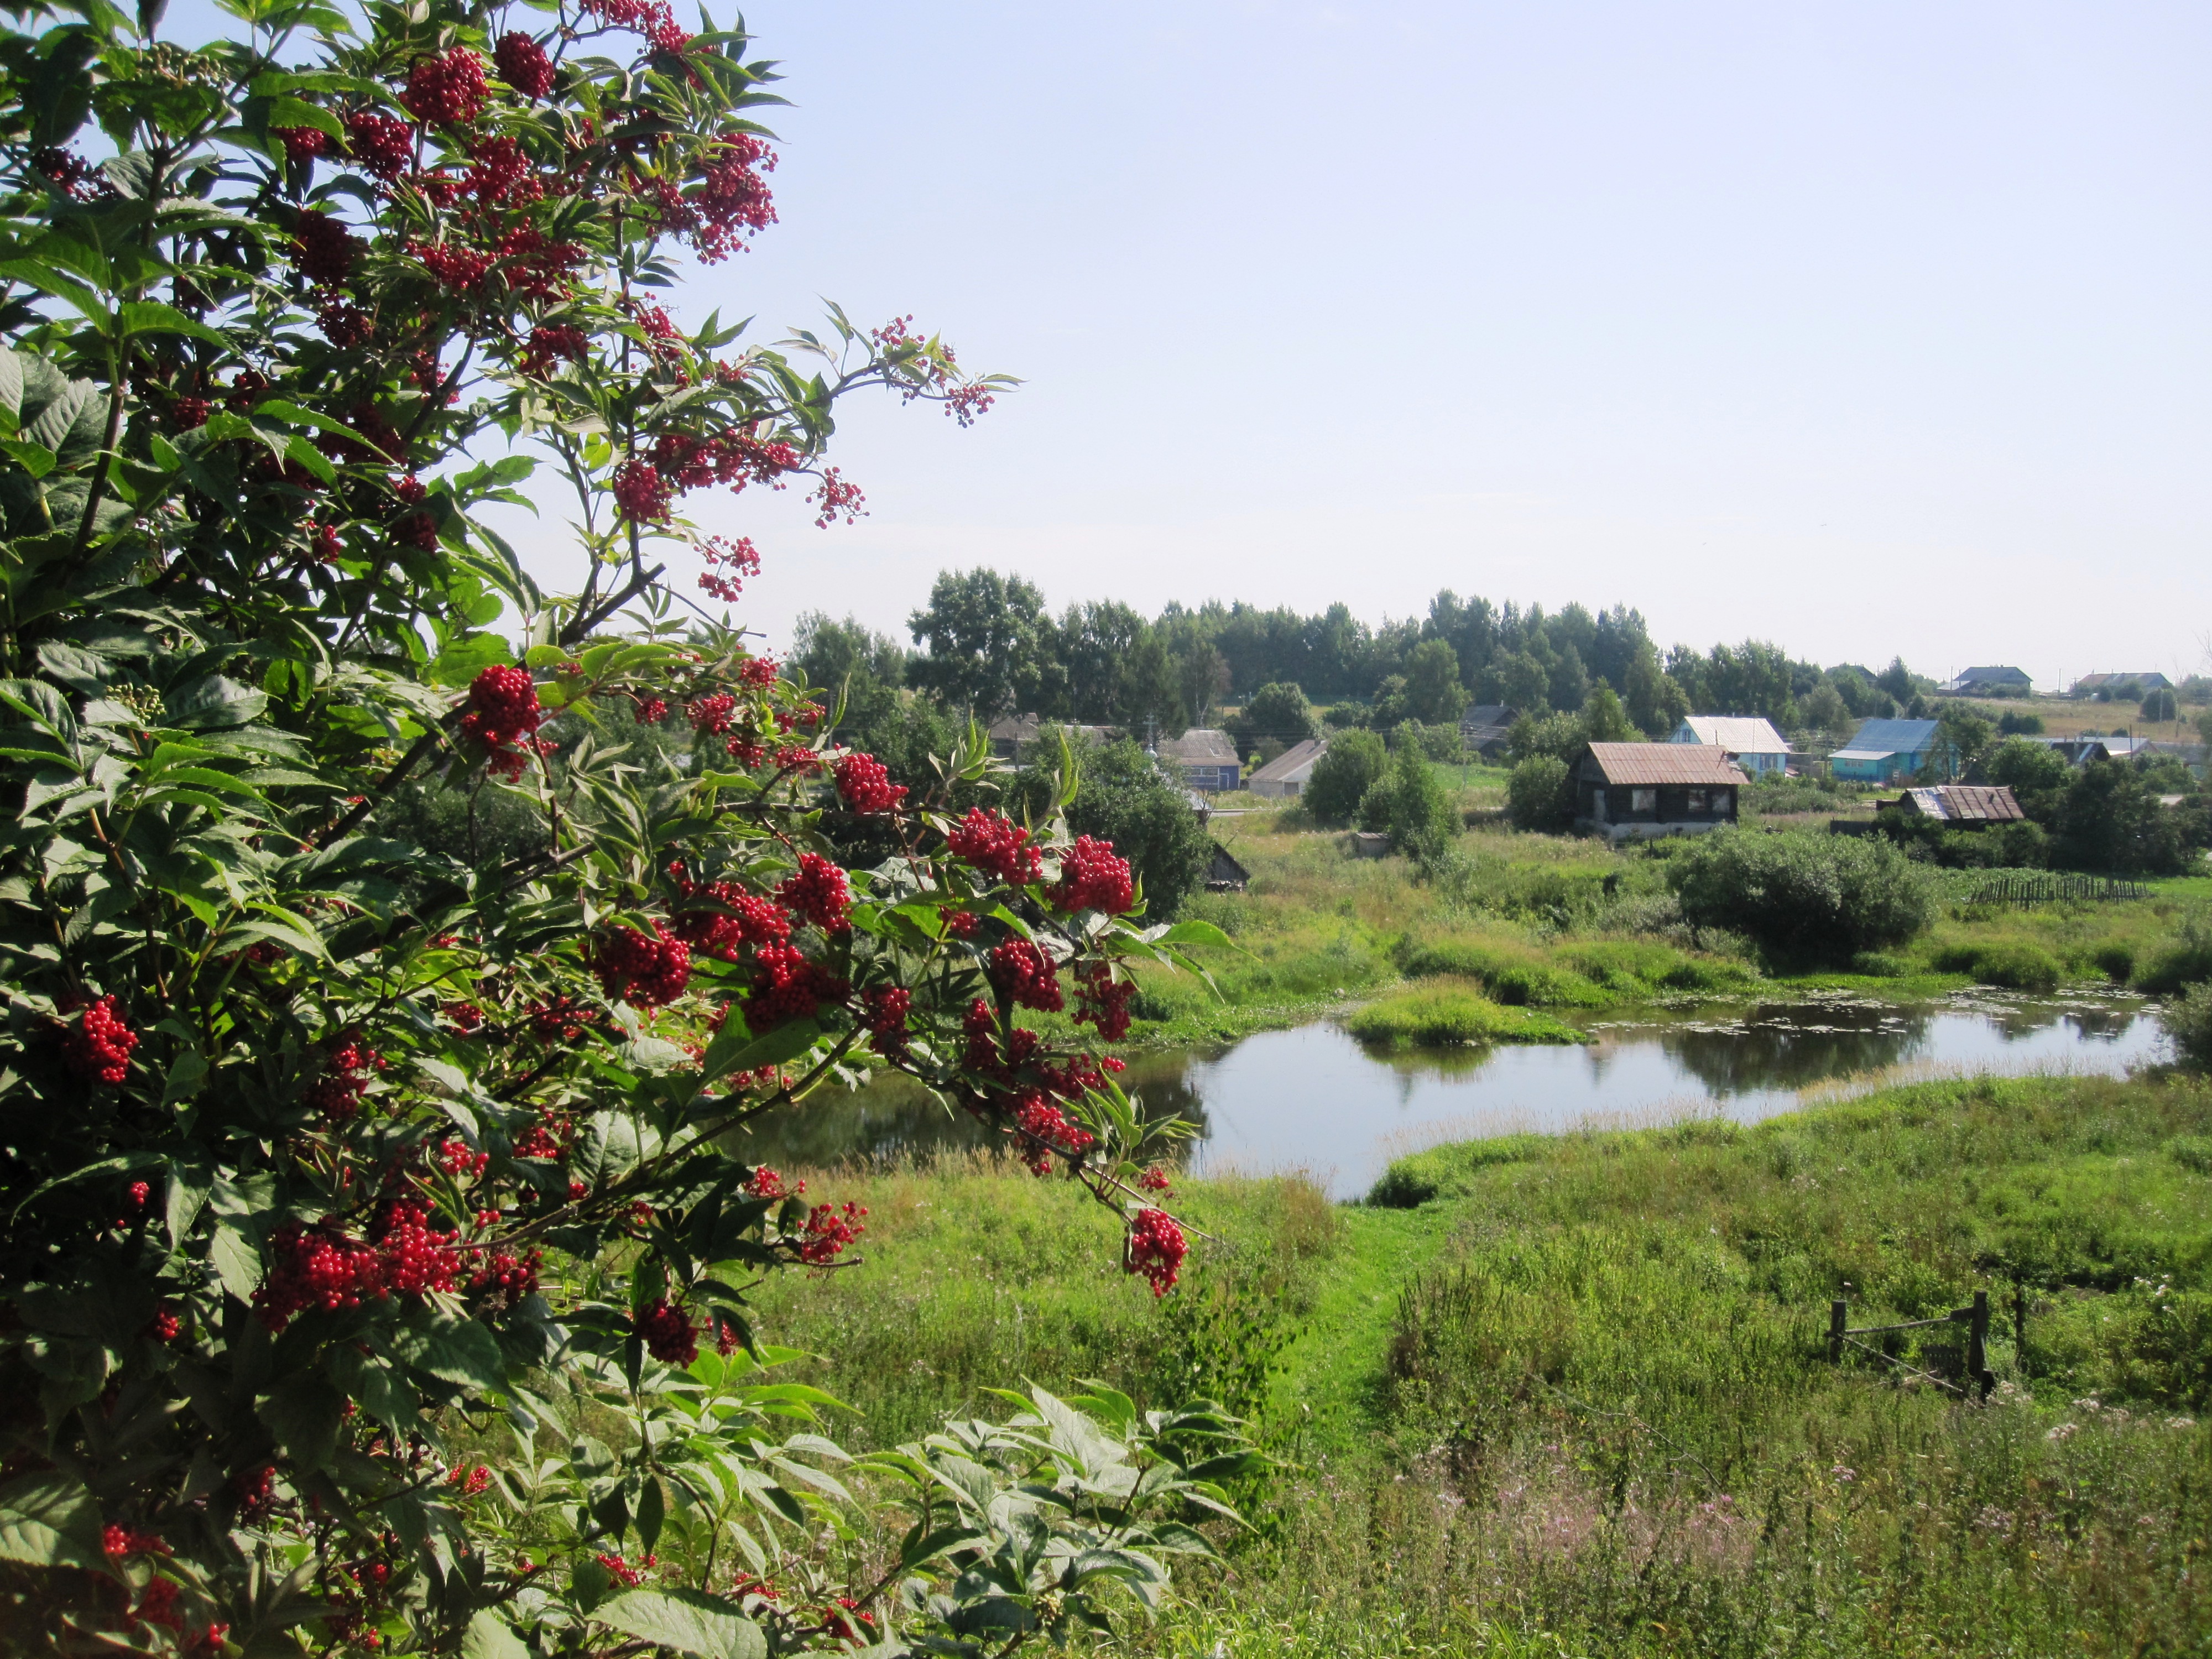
x=523, y=64
x=819, y=892
x=1092, y=877
x=562, y=1018
x=1103, y=1002
x=384, y=144
x=867, y=786
x=471, y=1481
x=736, y=459
x=711, y=716
x=456, y=1159
x=730, y=202
x=336, y=1093
x=446, y=89
x=667, y=1332
x=98, y=1047
x=323, y=248
x=768, y=1183
x=1154, y=1179
x=728, y=563
x=122, y=1540
x=455, y=267
x=303, y=144
x=622, y=1573
x=316, y=1269
x=416, y=1258
x=788, y=987
x=836, y=496
x=550, y=343
x=885, y=1009
x=961, y=923
x=1156, y=1249
x=828, y=1231
x=641, y=494
x=650, y=711
x=1026, y=976
x=1045, y=1129
x=650, y=18
x=644, y=972
x=503, y=712
x=742, y=918
x=994, y=842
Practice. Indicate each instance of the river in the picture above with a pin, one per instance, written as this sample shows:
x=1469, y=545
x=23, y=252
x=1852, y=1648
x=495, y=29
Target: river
x=1314, y=1099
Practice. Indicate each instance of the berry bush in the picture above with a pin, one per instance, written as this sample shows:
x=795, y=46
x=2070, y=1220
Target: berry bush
x=373, y=1277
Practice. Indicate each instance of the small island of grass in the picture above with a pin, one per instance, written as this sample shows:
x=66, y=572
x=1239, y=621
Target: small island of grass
x=1444, y=1010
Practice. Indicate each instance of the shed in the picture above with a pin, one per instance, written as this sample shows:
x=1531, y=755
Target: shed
x=1205, y=757
x=1013, y=736
x=1989, y=683
x=1487, y=727
x=1225, y=874
x=1288, y=773
x=1882, y=752
x=1966, y=805
x=1367, y=844
x=1640, y=791
x=1752, y=744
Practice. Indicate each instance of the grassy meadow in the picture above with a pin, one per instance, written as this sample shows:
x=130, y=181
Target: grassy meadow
x=1571, y=1394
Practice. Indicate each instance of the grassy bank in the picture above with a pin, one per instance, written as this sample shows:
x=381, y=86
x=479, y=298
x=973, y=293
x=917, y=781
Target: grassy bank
x=1571, y=1395
x=1567, y=923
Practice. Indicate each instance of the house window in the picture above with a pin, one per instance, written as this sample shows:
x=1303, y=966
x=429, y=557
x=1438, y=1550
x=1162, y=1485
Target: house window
x=1644, y=800
x=1696, y=806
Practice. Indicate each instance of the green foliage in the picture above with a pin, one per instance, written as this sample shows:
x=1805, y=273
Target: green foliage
x=1439, y=1013
x=2188, y=1021
x=2110, y=820
x=1541, y=795
x=2016, y=964
x=989, y=645
x=1276, y=712
x=2185, y=959
x=1803, y=895
x=2013, y=722
x=1341, y=778
x=1603, y=718
x=1555, y=737
x=2160, y=705
x=1410, y=804
x=1434, y=694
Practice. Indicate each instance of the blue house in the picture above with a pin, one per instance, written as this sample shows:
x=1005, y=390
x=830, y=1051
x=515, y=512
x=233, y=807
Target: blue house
x=1882, y=752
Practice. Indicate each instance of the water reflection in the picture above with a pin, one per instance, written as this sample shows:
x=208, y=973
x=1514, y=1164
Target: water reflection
x=1314, y=1099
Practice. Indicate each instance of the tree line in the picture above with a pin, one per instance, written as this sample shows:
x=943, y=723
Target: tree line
x=986, y=644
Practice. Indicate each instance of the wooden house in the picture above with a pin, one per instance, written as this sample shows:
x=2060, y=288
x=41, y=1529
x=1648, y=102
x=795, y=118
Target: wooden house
x=1961, y=806
x=1641, y=791
x=1993, y=682
x=1883, y=751
x=1288, y=773
x=1206, y=757
x=1752, y=744
x=1486, y=728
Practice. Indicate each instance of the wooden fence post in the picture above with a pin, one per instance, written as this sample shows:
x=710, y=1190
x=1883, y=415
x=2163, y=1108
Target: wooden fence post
x=1838, y=1312
x=1977, y=1344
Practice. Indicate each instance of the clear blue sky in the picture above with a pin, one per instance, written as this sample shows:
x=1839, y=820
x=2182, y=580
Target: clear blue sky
x=1866, y=328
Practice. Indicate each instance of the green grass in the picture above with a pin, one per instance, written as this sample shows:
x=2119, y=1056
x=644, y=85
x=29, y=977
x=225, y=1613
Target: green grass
x=1571, y=1394
x=1454, y=1011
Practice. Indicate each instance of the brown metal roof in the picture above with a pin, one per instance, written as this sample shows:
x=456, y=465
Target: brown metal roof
x=1979, y=802
x=1648, y=763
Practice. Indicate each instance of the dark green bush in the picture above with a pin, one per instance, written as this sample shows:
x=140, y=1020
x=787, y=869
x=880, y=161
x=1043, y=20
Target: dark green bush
x=1880, y=965
x=1540, y=794
x=2116, y=961
x=2017, y=965
x=1803, y=895
x=1410, y=804
x=2188, y=1021
x=1342, y=777
x=2187, y=960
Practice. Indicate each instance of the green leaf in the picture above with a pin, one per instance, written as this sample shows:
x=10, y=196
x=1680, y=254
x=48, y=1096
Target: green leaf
x=212, y=702
x=310, y=457
x=703, y=1626
x=294, y=112
x=236, y=1259
x=152, y=317
x=189, y=1183
x=454, y=1350
x=745, y=1052
x=304, y=1412
x=49, y=1520
x=34, y=459
x=488, y=1638
x=1192, y=932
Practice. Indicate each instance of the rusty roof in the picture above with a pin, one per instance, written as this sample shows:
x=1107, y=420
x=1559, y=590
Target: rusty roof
x=1648, y=763
x=1970, y=803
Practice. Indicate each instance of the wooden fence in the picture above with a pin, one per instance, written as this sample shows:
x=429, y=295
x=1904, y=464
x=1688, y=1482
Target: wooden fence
x=2055, y=890
x=1976, y=1319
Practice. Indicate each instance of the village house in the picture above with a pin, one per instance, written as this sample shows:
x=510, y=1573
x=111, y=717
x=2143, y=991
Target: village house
x=1288, y=773
x=1641, y=791
x=1988, y=683
x=2090, y=684
x=1206, y=757
x=2079, y=751
x=1753, y=745
x=1882, y=752
x=1485, y=728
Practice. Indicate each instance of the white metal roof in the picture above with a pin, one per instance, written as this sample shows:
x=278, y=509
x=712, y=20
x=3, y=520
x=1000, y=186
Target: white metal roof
x=1738, y=734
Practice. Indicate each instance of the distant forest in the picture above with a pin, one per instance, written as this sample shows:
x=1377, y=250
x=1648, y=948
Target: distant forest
x=986, y=644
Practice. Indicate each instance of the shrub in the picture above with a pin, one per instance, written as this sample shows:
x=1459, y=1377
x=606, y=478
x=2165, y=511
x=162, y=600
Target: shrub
x=1341, y=778
x=1123, y=796
x=2016, y=965
x=1410, y=804
x=2187, y=960
x=1433, y=1016
x=1513, y=978
x=1540, y=794
x=1880, y=965
x=2116, y=961
x=2188, y=1021
x=382, y=1228
x=1803, y=895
